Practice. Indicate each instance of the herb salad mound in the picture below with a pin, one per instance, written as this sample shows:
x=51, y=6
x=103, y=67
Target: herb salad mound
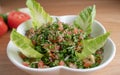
x=58, y=43
x=52, y=43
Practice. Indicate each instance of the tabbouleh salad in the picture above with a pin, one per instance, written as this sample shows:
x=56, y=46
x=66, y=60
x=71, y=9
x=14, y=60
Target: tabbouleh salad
x=58, y=43
x=52, y=43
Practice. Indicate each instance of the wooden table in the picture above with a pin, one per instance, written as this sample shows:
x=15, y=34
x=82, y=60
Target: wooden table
x=108, y=13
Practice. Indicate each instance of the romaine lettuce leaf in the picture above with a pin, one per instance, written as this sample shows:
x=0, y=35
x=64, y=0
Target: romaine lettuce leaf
x=39, y=16
x=91, y=45
x=85, y=19
x=24, y=44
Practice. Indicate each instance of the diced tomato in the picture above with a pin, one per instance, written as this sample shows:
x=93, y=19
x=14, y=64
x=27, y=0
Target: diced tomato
x=41, y=64
x=61, y=63
x=99, y=51
x=69, y=32
x=98, y=61
x=25, y=64
x=22, y=56
x=75, y=31
x=87, y=63
x=15, y=18
x=81, y=31
x=33, y=42
x=52, y=55
x=3, y=27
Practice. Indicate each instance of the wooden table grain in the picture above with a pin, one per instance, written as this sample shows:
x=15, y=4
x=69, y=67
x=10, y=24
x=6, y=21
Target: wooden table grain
x=108, y=13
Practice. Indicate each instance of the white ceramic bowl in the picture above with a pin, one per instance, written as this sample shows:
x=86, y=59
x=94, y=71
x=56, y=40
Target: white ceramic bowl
x=97, y=29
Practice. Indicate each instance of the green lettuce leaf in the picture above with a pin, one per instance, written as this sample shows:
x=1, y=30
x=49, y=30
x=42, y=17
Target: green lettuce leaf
x=91, y=45
x=85, y=19
x=39, y=16
x=24, y=44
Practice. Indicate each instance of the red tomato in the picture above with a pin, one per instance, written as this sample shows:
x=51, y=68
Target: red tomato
x=87, y=63
x=61, y=63
x=1, y=19
x=3, y=27
x=41, y=64
x=22, y=56
x=25, y=64
x=15, y=18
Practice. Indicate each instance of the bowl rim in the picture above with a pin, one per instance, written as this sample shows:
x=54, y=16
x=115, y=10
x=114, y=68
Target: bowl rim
x=64, y=67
